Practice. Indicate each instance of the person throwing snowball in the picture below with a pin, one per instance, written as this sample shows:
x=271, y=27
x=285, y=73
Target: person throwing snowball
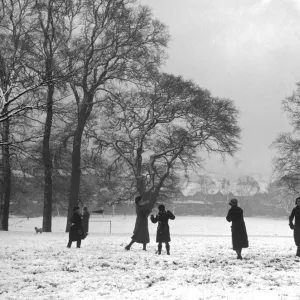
x=141, y=231
x=163, y=230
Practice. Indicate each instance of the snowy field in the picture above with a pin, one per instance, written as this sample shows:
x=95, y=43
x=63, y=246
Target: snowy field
x=201, y=265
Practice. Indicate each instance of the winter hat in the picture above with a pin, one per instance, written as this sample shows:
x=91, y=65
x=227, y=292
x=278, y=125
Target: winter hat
x=75, y=208
x=138, y=199
x=297, y=199
x=161, y=207
x=233, y=202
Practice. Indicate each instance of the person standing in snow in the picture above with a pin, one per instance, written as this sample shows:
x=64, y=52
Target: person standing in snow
x=163, y=231
x=296, y=227
x=141, y=231
x=76, y=229
x=85, y=220
x=238, y=228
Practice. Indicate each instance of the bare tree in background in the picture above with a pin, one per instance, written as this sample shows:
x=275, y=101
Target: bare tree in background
x=287, y=160
x=247, y=185
x=206, y=184
x=15, y=26
x=117, y=42
x=53, y=29
x=159, y=130
x=226, y=187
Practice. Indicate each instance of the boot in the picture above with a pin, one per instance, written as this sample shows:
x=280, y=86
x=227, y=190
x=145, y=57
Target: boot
x=298, y=252
x=159, y=247
x=239, y=252
x=144, y=247
x=168, y=249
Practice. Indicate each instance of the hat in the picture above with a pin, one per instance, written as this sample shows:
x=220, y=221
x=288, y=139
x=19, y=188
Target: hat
x=233, y=202
x=75, y=208
x=137, y=199
x=297, y=199
x=161, y=207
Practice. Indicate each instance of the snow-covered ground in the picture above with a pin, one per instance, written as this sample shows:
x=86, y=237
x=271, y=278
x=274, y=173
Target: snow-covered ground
x=201, y=265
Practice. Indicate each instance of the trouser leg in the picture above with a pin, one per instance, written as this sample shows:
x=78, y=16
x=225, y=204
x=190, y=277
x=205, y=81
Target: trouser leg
x=159, y=247
x=239, y=252
x=78, y=243
x=298, y=251
x=144, y=246
x=129, y=245
x=168, y=248
x=69, y=243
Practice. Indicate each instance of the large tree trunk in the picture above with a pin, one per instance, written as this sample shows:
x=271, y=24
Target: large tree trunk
x=47, y=160
x=76, y=171
x=6, y=175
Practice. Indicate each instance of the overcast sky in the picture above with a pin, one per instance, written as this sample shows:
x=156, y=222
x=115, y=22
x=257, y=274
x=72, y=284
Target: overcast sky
x=245, y=50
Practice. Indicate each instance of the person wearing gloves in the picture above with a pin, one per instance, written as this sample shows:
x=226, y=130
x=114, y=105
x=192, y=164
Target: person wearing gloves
x=238, y=228
x=296, y=227
x=163, y=230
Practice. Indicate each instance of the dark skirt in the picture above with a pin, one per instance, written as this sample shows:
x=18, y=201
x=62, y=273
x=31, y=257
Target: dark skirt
x=239, y=235
x=141, y=231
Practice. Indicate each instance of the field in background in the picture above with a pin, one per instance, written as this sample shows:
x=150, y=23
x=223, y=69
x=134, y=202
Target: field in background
x=182, y=225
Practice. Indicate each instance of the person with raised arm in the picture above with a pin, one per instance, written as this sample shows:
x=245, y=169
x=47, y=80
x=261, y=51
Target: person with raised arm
x=141, y=231
x=163, y=230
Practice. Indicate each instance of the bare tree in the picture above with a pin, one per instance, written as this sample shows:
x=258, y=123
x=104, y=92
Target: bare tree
x=280, y=195
x=53, y=30
x=159, y=130
x=118, y=42
x=206, y=184
x=15, y=26
x=287, y=161
x=226, y=187
x=247, y=185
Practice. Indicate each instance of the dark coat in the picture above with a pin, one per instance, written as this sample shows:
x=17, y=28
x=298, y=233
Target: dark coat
x=295, y=214
x=141, y=231
x=76, y=228
x=238, y=228
x=85, y=221
x=163, y=230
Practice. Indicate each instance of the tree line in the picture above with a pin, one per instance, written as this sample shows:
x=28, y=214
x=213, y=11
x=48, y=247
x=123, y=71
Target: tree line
x=82, y=91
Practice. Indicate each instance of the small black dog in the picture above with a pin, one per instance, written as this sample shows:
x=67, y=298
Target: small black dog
x=38, y=230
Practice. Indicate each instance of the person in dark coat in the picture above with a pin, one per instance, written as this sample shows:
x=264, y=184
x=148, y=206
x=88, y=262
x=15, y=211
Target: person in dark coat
x=296, y=227
x=141, y=231
x=85, y=220
x=76, y=229
x=163, y=230
x=238, y=228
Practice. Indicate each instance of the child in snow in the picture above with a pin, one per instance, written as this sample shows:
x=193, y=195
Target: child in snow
x=163, y=231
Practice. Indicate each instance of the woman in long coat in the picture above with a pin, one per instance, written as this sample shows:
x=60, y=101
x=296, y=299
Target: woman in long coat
x=163, y=230
x=76, y=229
x=296, y=227
x=141, y=231
x=238, y=228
